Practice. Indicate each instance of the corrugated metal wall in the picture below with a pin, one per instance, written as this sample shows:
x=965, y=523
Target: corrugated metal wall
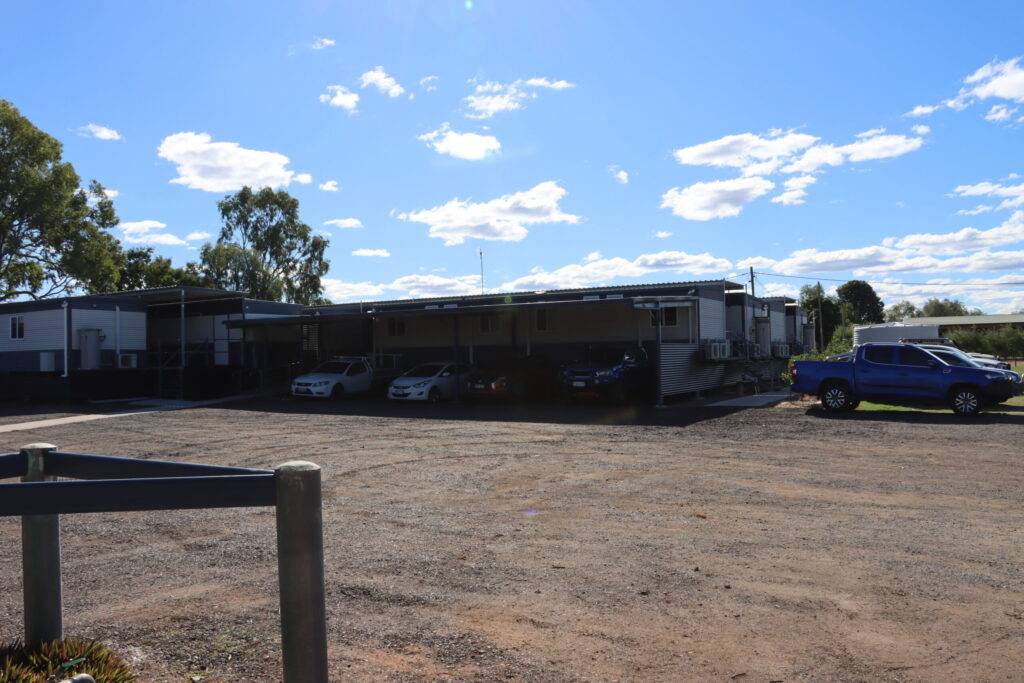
x=44, y=331
x=683, y=372
x=712, y=312
x=132, y=333
x=778, y=318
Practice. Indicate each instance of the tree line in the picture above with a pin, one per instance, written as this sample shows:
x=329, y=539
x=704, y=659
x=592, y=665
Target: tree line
x=55, y=235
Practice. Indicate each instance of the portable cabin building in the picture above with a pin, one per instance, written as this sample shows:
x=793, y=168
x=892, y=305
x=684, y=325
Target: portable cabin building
x=682, y=326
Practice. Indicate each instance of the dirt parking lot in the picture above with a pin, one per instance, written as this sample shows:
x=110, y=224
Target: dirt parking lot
x=771, y=544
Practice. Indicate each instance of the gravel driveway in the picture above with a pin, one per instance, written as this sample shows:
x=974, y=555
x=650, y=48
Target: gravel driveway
x=570, y=544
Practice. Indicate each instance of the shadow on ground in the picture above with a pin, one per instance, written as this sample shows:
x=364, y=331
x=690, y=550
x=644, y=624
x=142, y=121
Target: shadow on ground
x=922, y=417
x=674, y=415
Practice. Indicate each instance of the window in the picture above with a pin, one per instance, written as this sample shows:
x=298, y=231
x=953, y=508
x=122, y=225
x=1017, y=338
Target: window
x=396, y=327
x=357, y=369
x=541, y=319
x=17, y=327
x=879, y=354
x=669, y=317
x=916, y=357
x=489, y=323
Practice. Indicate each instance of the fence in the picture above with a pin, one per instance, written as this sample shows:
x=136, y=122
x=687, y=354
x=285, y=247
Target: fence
x=113, y=484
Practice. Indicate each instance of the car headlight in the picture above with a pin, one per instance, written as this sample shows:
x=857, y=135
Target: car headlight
x=420, y=385
x=321, y=383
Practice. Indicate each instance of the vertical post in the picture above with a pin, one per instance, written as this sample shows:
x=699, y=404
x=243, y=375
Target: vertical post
x=300, y=567
x=40, y=561
x=657, y=379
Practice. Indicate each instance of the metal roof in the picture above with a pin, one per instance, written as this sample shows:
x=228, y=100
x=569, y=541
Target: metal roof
x=955, y=320
x=523, y=296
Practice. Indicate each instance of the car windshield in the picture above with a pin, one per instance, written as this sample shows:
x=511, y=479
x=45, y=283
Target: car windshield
x=954, y=357
x=332, y=366
x=426, y=370
x=607, y=356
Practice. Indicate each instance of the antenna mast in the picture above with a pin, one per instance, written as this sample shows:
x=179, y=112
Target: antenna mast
x=481, y=270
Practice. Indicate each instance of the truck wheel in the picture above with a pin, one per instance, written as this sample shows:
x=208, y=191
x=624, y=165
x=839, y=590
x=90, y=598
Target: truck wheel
x=965, y=401
x=836, y=397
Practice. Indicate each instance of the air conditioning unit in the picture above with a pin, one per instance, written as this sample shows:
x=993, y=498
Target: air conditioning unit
x=127, y=361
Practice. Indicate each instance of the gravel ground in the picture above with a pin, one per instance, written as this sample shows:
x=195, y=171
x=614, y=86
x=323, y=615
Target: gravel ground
x=561, y=544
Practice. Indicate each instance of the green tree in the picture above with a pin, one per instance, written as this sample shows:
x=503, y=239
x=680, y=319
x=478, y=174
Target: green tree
x=813, y=300
x=265, y=249
x=139, y=269
x=934, y=308
x=901, y=310
x=53, y=234
x=861, y=302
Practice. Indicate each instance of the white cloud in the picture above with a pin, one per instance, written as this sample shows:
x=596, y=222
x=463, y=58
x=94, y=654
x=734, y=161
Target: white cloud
x=345, y=223
x=596, y=271
x=303, y=178
x=592, y=256
x=870, y=133
x=504, y=218
x=340, y=96
x=94, y=130
x=429, y=83
x=620, y=174
x=340, y=290
x=760, y=156
x=1009, y=231
x=198, y=235
x=796, y=190
x=921, y=129
x=663, y=234
x=550, y=84
x=490, y=98
x=995, y=80
x=427, y=285
x=203, y=164
x=469, y=146
x=923, y=110
x=715, y=199
x=140, y=227
x=1012, y=195
x=111, y=194
x=870, y=148
x=321, y=43
x=329, y=186
x=999, y=113
x=380, y=79
x=976, y=211
x=744, y=150
x=149, y=232
x=380, y=253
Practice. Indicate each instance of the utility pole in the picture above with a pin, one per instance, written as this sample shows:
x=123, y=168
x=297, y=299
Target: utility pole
x=481, y=270
x=821, y=323
x=752, y=281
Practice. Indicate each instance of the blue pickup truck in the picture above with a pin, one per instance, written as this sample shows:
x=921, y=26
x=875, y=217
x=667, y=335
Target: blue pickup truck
x=900, y=374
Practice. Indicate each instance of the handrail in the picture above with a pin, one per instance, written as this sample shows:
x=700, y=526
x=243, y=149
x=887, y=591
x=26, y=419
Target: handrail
x=137, y=495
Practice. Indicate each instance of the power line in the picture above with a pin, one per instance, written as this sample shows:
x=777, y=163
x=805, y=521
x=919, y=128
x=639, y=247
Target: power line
x=908, y=284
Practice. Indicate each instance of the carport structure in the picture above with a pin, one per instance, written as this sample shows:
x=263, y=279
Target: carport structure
x=673, y=322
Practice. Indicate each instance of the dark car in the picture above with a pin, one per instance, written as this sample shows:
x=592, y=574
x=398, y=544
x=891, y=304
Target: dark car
x=530, y=377
x=614, y=374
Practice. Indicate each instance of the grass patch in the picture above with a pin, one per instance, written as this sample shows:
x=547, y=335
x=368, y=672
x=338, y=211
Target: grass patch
x=60, y=659
x=1012, y=407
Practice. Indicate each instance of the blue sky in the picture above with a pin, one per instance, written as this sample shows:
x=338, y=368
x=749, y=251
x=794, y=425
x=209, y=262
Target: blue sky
x=575, y=143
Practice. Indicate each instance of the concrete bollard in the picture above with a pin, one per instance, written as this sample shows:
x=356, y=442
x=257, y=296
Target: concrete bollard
x=300, y=566
x=40, y=561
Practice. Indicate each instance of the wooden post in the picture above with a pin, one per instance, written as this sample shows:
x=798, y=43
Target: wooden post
x=40, y=561
x=300, y=566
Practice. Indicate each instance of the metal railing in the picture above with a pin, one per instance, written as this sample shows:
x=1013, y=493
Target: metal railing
x=105, y=483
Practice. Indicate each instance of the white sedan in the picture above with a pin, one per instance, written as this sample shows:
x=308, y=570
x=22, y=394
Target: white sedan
x=428, y=382
x=335, y=378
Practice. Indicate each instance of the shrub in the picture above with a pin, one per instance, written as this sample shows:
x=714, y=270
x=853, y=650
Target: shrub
x=62, y=659
x=1005, y=342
